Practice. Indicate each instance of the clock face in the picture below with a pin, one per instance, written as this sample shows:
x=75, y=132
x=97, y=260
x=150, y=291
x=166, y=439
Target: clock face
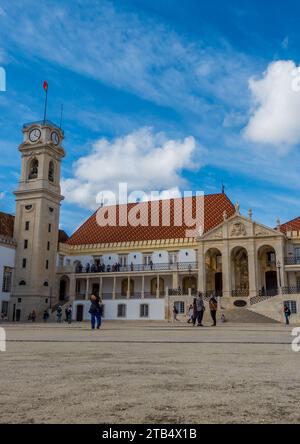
x=34, y=135
x=55, y=138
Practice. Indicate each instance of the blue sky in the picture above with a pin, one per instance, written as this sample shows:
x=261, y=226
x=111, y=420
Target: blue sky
x=161, y=94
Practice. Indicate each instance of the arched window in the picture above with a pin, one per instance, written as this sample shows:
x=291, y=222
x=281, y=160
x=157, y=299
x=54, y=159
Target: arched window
x=22, y=283
x=33, y=169
x=51, y=171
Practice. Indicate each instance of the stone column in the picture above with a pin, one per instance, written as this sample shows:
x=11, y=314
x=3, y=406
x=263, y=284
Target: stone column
x=157, y=286
x=72, y=288
x=226, y=270
x=252, y=268
x=201, y=269
x=87, y=289
x=101, y=286
x=114, y=288
x=143, y=287
x=128, y=287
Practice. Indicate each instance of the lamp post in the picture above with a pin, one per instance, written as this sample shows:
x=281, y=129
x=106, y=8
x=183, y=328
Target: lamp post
x=278, y=265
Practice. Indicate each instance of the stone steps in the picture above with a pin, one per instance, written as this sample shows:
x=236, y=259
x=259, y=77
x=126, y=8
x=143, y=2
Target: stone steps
x=241, y=316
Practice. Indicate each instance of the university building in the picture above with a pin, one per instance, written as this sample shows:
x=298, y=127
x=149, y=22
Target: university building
x=139, y=271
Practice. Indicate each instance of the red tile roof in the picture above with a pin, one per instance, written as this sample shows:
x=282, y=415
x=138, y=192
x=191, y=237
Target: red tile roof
x=62, y=236
x=7, y=224
x=91, y=233
x=292, y=225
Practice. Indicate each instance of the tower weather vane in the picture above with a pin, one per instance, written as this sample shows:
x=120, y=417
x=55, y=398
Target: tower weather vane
x=45, y=86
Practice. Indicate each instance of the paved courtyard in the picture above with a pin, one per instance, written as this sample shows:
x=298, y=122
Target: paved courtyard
x=149, y=373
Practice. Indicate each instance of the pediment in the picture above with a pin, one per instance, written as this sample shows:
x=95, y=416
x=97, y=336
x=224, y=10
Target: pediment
x=239, y=226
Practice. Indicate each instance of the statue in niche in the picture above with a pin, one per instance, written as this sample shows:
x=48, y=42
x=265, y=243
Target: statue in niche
x=34, y=169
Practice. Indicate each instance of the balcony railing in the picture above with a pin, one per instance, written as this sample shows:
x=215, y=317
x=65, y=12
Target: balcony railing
x=240, y=293
x=269, y=293
x=291, y=290
x=179, y=266
x=292, y=260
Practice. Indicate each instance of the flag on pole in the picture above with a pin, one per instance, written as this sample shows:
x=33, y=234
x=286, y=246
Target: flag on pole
x=45, y=85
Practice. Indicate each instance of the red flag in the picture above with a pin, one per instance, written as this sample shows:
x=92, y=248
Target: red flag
x=45, y=85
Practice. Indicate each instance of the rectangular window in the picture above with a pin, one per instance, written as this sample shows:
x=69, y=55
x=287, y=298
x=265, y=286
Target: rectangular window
x=47, y=264
x=180, y=307
x=48, y=245
x=292, y=305
x=7, y=280
x=49, y=228
x=27, y=224
x=24, y=262
x=123, y=260
x=121, y=311
x=60, y=261
x=25, y=244
x=144, y=310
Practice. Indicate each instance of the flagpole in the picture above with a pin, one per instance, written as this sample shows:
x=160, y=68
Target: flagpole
x=46, y=100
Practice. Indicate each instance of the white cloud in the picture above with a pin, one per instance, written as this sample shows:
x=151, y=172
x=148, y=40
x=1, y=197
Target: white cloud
x=275, y=116
x=2, y=195
x=144, y=160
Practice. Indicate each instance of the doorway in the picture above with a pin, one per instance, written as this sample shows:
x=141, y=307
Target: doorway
x=79, y=313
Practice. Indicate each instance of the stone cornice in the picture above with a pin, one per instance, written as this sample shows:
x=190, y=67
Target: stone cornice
x=127, y=247
x=6, y=241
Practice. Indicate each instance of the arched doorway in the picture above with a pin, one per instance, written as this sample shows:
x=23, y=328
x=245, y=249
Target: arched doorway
x=213, y=271
x=240, y=272
x=189, y=282
x=267, y=271
x=64, y=289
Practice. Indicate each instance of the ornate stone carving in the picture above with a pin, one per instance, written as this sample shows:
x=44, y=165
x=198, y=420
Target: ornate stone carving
x=238, y=229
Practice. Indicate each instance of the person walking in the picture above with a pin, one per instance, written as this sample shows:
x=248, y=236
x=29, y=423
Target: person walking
x=45, y=316
x=33, y=315
x=69, y=314
x=59, y=314
x=213, y=306
x=95, y=311
x=287, y=314
x=200, y=308
x=190, y=314
x=175, y=313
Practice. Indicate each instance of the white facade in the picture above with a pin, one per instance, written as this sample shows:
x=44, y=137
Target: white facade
x=7, y=261
x=156, y=310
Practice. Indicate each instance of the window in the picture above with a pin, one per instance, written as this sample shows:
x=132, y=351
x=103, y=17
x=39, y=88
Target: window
x=297, y=255
x=4, y=309
x=25, y=244
x=48, y=245
x=147, y=259
x=7, y=279
x=49, y=228
x=24, y=262
x=46, y=284
x=22, y=283
x=292, y=305
x=179, y=307
x=51, y=171
x=121, y=311
x=27, y=224
x=123, y=260
x=60, y=261
x=144, y=310
x=19, y=300
x=47, y=264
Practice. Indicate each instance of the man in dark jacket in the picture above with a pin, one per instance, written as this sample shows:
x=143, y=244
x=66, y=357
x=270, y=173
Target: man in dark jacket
x=199, y=305
x=95, y=311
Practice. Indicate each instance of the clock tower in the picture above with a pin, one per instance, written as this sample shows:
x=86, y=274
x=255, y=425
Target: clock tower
x=36, y=227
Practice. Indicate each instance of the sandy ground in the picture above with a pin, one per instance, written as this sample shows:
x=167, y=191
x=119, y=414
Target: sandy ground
x=149, y=373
